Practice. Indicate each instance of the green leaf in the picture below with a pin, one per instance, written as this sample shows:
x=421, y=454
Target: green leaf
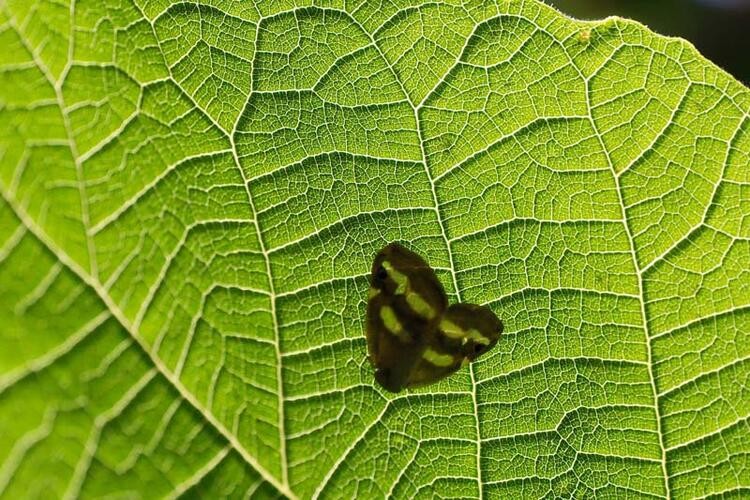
x=192, y=193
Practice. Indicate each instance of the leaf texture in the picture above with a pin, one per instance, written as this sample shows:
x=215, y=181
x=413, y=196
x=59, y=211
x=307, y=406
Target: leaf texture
x=192, y=193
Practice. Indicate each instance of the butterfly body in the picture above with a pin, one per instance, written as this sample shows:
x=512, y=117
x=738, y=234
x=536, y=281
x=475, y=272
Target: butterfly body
x=413, y=337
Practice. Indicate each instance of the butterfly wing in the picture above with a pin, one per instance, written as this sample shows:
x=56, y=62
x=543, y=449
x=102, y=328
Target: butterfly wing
x=405, y=304
x=465, y=332
x=433, y=366
x=477, y=328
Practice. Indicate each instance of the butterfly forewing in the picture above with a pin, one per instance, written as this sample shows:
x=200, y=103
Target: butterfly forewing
x=406, y=302
x=434, y=364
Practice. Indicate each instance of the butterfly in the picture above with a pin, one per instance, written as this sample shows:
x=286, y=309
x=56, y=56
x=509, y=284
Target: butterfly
x=414, y=338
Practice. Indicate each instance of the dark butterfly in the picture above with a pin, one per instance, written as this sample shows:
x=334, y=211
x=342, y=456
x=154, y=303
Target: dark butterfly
x=413, y=337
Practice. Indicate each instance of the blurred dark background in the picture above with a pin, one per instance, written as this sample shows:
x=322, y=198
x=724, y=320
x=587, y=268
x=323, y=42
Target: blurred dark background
x=720, y=29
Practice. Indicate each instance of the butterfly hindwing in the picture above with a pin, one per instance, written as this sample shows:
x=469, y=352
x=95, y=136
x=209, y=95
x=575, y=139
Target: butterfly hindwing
x=476, y=327
x=465, y=332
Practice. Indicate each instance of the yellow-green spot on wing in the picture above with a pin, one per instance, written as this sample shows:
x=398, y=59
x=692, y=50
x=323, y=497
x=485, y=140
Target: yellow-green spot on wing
x=392, y=324
x=402, y=281
x=435, y=358
x=451, y=330
x=420, y=306
x=477, y=337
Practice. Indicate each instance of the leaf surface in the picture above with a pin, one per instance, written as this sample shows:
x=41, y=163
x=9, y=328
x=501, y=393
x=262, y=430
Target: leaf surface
x=192, y=194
